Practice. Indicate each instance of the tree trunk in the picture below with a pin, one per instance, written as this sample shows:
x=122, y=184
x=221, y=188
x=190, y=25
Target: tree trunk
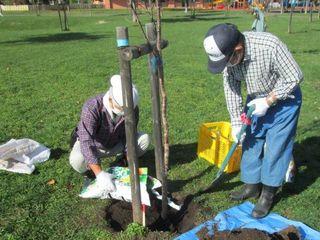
x=150, y=4
x=164, y=210
x=193, y=9
x=290, y=20
x=58, y=5
x=66, y=27
x=307, y=6
x=186, y=3
x=38, y=8
x=311, y=10
x=281, y=9
x=133, y=10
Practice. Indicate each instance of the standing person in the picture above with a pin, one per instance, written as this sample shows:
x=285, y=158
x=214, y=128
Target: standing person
x=101, y=133
x=262, y=63
x=258, y=24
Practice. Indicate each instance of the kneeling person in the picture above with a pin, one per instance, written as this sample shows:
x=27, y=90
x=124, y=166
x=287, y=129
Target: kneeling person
x=101, y=133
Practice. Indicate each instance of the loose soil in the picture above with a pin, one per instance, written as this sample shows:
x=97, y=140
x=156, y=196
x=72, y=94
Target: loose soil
x=119, y=216
x=290, y=233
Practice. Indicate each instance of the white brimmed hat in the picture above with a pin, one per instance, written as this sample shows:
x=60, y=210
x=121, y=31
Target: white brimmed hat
x=115, y=91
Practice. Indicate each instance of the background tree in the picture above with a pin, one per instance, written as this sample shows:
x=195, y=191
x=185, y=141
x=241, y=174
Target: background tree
x=281, y=6
x=228, y=3
x=318, y=3
x=193, y=11
x=292, y=5
x=307, y=4
x=38, y=7
x=133, y=9
x=63, y=23
x=310, y=11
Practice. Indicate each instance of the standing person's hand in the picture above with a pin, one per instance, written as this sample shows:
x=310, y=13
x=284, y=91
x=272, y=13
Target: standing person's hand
x=235, y=131
x=261, y=106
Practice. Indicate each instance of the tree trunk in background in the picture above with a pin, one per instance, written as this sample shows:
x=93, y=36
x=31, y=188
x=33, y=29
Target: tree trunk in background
x=58, y=7
x=38, y=8
x=133, y=9
x=311, y=10
x=186, y=3
x=150, y=4
x=193, y=13
x=66, y=26
x=290, y=20
x=307, y=6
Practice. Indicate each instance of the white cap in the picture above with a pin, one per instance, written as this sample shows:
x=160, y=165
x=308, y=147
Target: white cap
x=115, y=91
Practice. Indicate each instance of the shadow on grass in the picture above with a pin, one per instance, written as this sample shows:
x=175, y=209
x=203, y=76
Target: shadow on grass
x=306, y=155
x=179, y=154
x=59, y=37
x=307, y=158
x=310, y=51
x=304, y=31
x=182, y=154
x=56, y=153
x=196, y=18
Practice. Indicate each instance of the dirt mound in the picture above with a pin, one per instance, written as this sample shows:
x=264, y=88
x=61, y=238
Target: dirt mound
x=290, y=233
x=119, y=216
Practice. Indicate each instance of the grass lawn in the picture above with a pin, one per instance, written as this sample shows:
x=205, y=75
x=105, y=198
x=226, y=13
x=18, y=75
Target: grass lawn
x=46, y=75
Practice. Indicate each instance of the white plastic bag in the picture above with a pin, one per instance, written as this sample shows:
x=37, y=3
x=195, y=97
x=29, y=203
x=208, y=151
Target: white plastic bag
x=123, y=187
x=13, y=165
x=26, y=151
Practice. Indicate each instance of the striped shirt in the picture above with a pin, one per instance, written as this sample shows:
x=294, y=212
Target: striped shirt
x=267, y=67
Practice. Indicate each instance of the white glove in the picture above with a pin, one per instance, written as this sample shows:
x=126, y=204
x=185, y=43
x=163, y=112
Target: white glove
x=261, y=106
x=235, y=131
x=105, y=181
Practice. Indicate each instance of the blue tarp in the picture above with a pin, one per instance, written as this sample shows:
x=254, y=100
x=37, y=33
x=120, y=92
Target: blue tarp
x=239, y=217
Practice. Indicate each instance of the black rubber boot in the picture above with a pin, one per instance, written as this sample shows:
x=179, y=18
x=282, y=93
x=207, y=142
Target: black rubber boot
x=247, y=191
x=262, y=208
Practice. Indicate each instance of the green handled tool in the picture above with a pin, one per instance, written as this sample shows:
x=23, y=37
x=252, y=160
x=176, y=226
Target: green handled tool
x=221, y=175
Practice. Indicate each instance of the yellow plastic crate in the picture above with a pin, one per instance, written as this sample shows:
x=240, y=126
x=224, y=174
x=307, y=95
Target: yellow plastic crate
x=214, y=143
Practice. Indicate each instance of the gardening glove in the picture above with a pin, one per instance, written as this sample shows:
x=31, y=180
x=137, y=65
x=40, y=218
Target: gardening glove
x=105, y=182
x=261, y=106
x=235, y=131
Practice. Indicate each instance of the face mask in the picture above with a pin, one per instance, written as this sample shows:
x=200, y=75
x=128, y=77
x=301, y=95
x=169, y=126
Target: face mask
x=117, y=112
x=235, y=58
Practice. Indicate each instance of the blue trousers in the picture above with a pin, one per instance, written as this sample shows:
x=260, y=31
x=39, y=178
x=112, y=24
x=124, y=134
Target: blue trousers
x=267, y=148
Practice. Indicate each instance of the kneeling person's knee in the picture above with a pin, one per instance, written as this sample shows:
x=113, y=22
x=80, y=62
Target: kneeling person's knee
x=143, y=143
x=76, y=159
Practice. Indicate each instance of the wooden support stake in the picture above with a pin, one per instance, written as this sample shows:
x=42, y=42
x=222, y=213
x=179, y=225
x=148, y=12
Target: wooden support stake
x=155, y=98
x=133, y=52
x=130, y=125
